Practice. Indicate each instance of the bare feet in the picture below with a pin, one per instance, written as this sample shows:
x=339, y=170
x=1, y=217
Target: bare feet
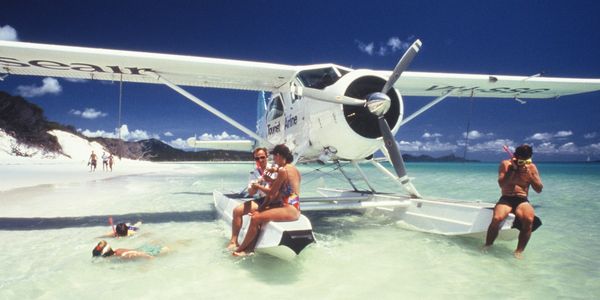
x=241, y=253
x=518, y=254
x=232, y=246
x=485, y=248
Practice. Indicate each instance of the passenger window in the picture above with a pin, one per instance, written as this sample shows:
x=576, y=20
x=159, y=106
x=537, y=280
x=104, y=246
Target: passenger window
x=318, y=78
x=275, y=109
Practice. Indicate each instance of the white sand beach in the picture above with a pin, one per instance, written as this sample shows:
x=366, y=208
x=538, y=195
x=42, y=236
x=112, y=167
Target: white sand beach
x=42, y=168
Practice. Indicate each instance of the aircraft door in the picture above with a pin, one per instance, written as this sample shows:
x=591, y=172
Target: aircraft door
x=296, y=129
x=275, y=121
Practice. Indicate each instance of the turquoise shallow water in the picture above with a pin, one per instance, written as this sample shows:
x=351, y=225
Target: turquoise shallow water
x=48, y=233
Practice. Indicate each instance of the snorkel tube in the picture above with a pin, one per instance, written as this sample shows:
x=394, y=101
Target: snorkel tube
x=110, y=221
x=510, y=154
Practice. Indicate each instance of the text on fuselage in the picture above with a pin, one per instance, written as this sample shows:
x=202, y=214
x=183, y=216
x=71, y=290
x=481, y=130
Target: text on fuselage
x=81, y=67
x=276, y=128
x=502, y=90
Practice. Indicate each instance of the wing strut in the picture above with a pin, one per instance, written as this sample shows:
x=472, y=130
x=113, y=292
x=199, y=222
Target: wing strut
x=211, y=109
x=427, y=106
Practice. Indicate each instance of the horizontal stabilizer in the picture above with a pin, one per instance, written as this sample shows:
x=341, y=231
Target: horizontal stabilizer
x=239, y=145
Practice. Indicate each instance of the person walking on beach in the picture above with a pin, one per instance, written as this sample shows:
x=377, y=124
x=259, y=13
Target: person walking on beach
x=92, y=162
x=282, y=202
x=258, y=185
x=110, y=161
x=104, y=161
x=515, y=175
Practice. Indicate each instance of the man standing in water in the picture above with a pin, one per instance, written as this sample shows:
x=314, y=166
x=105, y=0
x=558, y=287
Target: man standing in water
x=515, y=175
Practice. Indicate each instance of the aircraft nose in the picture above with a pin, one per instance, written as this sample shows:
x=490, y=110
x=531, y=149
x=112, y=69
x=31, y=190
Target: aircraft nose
x=378, y=103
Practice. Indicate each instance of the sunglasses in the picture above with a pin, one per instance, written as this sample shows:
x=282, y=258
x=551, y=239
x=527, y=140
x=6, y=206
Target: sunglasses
x=521, y=162
x=259, y=158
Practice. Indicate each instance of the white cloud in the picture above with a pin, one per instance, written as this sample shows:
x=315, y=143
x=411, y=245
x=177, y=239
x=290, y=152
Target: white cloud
x=591, y=149
x=396, y=44
x=88, y=113
x=567, y=148
x=590, y=135
x=563, y=133
x=76, y=80
x=474, y=135
x=490, y=146
x=546, y=136
x=429, y=146
x=540, y=136
x=545, y=148
x=49, y=86
x=428, y=135
x=392, y=45
x=168, y=133
x=179, y=144
x=218, y=137
x=126, y=135
x=366, y=48
x=8, y=33
x=570, y=148
x=98, y=133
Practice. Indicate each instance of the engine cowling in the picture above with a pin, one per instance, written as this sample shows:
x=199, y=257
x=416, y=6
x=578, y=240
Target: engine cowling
x=360, y=84
x=359, y=118
x=352, y=130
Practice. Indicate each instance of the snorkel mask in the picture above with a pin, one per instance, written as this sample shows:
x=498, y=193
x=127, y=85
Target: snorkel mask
x=102, y=249
x=522, y=162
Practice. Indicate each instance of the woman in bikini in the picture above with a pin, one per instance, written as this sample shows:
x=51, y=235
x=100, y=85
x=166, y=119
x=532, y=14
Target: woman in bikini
x=282, y=202
x=103, y=249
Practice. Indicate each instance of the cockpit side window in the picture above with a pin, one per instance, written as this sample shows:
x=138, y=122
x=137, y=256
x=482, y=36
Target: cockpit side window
x=275, y=109
x=318, y=78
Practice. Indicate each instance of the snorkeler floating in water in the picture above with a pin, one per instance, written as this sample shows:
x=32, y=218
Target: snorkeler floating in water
x=103, y=249
x=122, y=229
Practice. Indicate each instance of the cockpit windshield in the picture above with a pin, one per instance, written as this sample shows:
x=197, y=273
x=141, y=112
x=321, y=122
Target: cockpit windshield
x=319, y=78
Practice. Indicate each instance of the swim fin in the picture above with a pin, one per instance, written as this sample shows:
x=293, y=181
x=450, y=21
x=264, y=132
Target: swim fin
x=536, y=223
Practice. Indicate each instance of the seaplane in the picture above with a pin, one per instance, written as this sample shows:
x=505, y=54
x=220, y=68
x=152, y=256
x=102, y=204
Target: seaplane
x=324, y=113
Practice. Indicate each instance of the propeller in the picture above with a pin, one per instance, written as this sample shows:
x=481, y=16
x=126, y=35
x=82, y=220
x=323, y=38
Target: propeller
x=379, y=103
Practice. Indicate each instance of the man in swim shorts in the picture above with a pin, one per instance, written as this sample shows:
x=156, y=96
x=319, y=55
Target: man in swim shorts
x=515, y=175
x=92, y=161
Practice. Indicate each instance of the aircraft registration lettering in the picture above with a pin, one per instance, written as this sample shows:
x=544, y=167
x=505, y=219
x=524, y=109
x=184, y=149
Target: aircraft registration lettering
x=502, y=90
x=76, y=66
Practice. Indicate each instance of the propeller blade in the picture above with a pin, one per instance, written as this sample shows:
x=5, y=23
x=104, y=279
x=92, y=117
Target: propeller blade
x=402, y=65
x=392, y=148
x=327, y=97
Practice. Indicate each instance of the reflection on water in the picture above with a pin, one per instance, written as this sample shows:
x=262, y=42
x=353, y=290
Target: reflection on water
x=48, y=234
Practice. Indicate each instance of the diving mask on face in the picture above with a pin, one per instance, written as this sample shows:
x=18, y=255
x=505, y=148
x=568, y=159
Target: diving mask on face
x=522, y=162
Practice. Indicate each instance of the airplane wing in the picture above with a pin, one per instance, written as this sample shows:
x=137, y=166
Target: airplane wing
x=490, y=86
x=104, y=64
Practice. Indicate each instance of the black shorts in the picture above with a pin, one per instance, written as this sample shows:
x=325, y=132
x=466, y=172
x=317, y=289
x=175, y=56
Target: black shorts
x=259, y=201
x=512, y=201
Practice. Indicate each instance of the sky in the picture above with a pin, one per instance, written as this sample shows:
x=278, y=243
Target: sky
x=556, y=38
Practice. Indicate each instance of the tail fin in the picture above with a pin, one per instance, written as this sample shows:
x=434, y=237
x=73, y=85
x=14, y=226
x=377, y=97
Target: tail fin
x=261, y=112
